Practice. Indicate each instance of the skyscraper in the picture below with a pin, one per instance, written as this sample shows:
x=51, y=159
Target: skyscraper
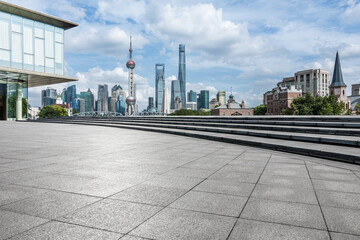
x=87, y=100
x=120, y=105
x=191, y=96
x=151, y=103
x=48, y=96
x=221, y=97
x=204, y=99
x=63, y=95
x=159, y=85
x=182, y=74
x=92, y=100
x=102, y=102
x=175, y=92
x=166, y=105
x=70, y=94
x=115, y=92
x=131, y=99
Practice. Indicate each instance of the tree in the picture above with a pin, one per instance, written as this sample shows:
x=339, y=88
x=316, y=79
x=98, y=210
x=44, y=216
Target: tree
x=52, y=111
x=260, y=110
x=12, y=106
x=188, y=112
x=309, y=105
x=357, y=109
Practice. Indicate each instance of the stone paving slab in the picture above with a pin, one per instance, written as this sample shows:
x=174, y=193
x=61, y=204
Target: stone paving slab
x=107, y=183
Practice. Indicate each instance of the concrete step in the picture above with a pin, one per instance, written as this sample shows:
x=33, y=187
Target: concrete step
x=291, y=136
x=338, y=153
x=311, y=130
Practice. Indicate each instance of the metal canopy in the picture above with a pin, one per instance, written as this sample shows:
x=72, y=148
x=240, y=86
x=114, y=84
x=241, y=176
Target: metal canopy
x=35, y=79
x=37, y=16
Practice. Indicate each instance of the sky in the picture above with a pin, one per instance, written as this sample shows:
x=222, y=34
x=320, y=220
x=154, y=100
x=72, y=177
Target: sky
x=246, y=46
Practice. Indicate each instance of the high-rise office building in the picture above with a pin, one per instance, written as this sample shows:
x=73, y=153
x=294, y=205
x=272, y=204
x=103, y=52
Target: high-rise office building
x=159, y=85
x=115, y=92
x=204, y=99
x=191, y=96
x=175, y=92
x=120, y=106
x=63, y=95
x=182, y=74
x=70, y=94
x=166, y=105
x=103, y=101
x=221, y=97
x=48, y=96
x=151, y=103
x=92, y=100
x=79, y=105
x=88, y=101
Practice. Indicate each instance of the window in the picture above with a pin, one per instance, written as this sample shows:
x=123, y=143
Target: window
x=5, y=39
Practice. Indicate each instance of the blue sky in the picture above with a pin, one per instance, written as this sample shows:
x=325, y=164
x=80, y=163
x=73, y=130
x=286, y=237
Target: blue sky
x=246, y=45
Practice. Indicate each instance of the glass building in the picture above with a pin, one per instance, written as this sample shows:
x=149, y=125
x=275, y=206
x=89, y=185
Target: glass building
x=191, y=96
x=48, y=96
x=159, y=85
x=182, y=74
x=88, y=101
x=31, y=55
x=204, y=99
x=175, y=92
x=71, y=95
x=120, y=105
x=151, y=103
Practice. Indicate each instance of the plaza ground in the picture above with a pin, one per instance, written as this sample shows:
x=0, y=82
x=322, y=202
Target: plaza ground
x=60, y=181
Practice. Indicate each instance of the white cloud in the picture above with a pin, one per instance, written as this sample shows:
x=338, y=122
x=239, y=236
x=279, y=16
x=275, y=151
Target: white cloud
x=352, y=12
x=121, y=10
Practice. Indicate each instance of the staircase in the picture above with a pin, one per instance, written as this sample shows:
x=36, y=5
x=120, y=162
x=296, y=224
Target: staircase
x=331, y=137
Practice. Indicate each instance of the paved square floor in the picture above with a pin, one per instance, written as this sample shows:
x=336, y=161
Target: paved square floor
x=60, y=181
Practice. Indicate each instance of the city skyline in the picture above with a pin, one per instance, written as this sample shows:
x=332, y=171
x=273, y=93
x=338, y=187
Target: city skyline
x=256, y=46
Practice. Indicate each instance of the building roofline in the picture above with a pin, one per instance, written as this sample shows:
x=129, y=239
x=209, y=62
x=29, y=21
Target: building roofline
x=315, y=69
x=36, y=16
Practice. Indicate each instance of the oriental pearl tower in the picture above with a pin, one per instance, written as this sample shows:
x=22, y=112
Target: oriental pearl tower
x=130, y=100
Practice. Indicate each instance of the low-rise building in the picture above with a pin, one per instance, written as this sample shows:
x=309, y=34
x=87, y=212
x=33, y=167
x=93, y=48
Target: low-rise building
x=233, y=108
x=280, y=98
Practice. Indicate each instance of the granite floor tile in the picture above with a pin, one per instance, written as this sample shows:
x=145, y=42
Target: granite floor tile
x=285, y=194
x=286, y=181
x=111, y=215
x=19, y=176
x=63, y=231
x=341, y=186
x=189, y=172
x=235, y=176
x=226, y=187
x=211, y=203
x=335, y=176
x=11, y=193
x=339, y=199
x=50, y=204
x=255, y=230
x=341, y=236
x=13, y=223
x=342, y=220
x=181, y=224
x=302, y=215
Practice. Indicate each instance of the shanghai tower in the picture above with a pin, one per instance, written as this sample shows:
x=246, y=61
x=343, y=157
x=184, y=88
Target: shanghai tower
x=182, y=74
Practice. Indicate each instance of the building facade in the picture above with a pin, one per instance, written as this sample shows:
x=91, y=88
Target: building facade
x=87, y=101
x=115, y=92
x=221, y=97
x=232, y=108
x=48, y=96
x=279, y=99
x=166, y=105
x=70, y=95
x=31, y=55
x=150, y=103
x=159, y=85
x=175, y=92
x=120, y=106
x=182, y=73
x=103, y=98
x=213, y=103
x=204, y=99
x=191, y=96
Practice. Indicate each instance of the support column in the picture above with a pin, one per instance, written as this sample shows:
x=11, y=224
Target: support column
x=19, y=97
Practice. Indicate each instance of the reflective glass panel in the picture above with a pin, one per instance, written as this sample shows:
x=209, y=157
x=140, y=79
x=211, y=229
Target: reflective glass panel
x=39, y=55
x=16, y=53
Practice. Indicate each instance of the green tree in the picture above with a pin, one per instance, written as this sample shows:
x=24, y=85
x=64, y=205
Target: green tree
x=52, y=111
x=309, y=105
x=260, y=110
x=188, y=112
x=357, y=109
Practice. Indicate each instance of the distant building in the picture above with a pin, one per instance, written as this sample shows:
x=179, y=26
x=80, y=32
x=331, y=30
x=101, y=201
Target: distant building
x=48, y=96
x=103, y=101
x=87, y=96
x=191, y=96
x=92, y=100
x=221, y=97
x=204, y=99
x=355, y=96
x=191, y=106
x=355, y=89
x=213, y=103
x=79, y=105
x=182, y=73
x=34, y=112
x=115, y=92
x=175, y=92
x=159, y=85
x=120, y=105
x=280, y=98
x=177, y=103
x=63, y=95
x=232, y=108
x=70, y=94
x=166, y=105
x=337, y=86
x=150, y=103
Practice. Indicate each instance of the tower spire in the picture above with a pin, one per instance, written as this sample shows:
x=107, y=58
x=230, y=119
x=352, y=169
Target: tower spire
x=337, y=79
x=130, y=50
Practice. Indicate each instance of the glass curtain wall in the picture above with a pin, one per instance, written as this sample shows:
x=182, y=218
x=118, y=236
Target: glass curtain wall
x=31, y=45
